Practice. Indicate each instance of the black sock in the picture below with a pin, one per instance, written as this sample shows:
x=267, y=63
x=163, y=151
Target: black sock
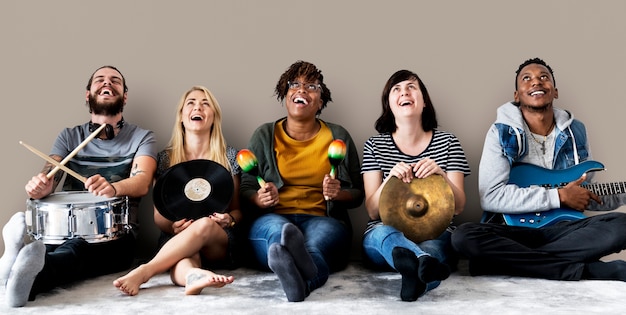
x=432, y=270
x=600, y=270
x=293, y=240
x=282, y=264
x=406, y=263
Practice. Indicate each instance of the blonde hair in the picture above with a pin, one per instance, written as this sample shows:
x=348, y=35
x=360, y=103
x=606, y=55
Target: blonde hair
x=217, y=144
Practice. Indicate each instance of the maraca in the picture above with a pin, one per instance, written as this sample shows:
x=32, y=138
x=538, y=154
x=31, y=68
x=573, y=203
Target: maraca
x=249, y=164
x=336, y=153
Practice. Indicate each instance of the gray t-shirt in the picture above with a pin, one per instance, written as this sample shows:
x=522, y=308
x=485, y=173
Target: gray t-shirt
x=112, y=159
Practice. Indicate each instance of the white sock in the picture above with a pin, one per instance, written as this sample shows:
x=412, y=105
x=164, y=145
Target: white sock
x=28, y=264
x=13, y=235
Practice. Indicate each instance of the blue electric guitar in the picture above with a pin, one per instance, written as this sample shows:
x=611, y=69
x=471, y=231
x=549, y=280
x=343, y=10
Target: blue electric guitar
x=527, y=175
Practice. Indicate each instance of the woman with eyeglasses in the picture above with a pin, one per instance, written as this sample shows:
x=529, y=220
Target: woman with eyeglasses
x=302, y=231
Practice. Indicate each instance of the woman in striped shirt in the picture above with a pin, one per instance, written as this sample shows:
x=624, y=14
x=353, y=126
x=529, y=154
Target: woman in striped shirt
x=409, y=146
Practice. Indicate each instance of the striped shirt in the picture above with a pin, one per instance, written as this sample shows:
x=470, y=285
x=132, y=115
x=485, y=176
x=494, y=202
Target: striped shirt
x=380, y=153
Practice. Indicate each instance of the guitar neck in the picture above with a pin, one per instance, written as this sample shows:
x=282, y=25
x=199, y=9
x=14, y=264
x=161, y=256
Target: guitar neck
x=605, y=189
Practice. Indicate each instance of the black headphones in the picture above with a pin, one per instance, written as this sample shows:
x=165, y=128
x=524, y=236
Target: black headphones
x=109, y=132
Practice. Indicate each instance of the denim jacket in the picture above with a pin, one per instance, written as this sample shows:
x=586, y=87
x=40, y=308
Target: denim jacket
x=514, y=142
x=506, y=143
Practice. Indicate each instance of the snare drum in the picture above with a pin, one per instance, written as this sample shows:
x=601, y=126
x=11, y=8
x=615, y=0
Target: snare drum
x=64, y=215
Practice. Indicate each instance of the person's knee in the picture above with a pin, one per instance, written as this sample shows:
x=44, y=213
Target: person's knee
x=267, y=226
x=74, y=246
x=469, y=238
x=459, y=238
x=204, y=228
x=619, y=217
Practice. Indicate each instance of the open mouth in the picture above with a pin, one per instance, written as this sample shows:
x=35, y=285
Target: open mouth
x=535, y=93
x=196, y=117
x=300, y=100
x=106, y=91
x=405, y=103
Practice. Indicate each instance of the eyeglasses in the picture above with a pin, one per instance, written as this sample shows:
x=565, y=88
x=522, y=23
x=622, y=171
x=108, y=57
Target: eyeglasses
x=311, y=87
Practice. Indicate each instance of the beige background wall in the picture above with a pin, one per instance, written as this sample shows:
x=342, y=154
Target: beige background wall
x=466, y=52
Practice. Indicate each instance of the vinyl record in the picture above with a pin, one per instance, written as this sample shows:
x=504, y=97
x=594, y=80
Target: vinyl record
x=193, y=189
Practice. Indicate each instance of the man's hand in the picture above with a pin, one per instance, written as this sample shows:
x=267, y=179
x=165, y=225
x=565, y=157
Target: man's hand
x=576, y=197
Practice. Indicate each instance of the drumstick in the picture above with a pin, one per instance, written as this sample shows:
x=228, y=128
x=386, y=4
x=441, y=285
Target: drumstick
x=54, y=162
x=71, y=155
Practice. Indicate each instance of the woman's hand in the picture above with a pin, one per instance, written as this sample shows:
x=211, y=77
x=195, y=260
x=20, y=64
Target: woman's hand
x=267, y=196
x=223, y=219
x=427, y=167
x=421, y=169
x=180, y=225
x=403, y=171
x=330, y=187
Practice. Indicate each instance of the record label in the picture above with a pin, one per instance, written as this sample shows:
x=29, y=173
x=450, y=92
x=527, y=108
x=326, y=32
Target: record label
x=197, y=189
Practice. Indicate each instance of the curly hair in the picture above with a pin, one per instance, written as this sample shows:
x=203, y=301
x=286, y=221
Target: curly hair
x=310, y=73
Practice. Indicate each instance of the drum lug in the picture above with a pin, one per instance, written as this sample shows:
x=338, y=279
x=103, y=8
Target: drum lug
x=109, y=219
x=72, y=224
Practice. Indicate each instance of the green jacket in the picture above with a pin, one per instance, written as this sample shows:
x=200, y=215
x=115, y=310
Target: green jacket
x=262, y=145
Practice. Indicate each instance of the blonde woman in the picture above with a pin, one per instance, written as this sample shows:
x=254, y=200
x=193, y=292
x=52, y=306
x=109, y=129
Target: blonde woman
x=190, y=247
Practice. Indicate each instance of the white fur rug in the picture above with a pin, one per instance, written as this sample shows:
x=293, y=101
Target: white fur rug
x=353, y=291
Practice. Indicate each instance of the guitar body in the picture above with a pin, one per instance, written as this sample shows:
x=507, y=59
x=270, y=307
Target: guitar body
x=527, y=175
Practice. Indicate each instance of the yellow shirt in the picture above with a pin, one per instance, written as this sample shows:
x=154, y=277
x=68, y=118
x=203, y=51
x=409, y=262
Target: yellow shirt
x=302, y=166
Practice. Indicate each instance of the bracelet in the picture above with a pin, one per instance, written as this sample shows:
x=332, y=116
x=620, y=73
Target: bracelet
x=114, y=191
x=232, y=219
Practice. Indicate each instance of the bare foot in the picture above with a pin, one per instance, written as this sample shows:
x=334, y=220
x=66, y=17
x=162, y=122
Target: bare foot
x=198, y=279
x=130, y=283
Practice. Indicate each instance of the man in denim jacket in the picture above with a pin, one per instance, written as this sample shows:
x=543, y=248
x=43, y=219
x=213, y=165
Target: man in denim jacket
x=530, y=130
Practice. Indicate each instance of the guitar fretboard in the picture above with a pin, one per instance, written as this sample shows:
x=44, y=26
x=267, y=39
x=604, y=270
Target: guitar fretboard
x=604, y=189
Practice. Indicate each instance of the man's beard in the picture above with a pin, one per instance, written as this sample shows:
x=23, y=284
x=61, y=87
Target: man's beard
x=106, y=109
x=537, y=109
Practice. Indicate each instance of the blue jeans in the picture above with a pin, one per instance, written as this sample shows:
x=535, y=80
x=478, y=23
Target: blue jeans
x=326, y=239
x=380, y=242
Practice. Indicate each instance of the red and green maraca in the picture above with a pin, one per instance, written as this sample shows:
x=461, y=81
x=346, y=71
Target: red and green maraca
x=336, y=154
x=249, y=164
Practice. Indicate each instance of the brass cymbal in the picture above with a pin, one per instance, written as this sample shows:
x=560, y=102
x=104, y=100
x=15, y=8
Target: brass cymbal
x=422, y=209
